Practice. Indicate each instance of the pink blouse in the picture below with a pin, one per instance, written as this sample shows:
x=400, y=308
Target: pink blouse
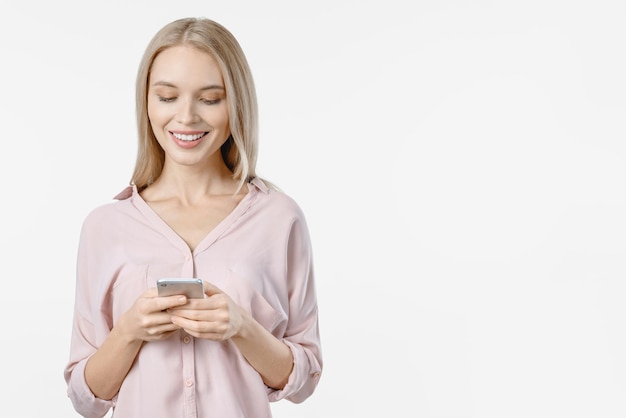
x=260, y=255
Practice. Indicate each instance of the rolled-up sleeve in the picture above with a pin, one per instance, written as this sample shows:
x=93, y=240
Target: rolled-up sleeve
x=84, y=339
x=84, y=401
x=302, y=334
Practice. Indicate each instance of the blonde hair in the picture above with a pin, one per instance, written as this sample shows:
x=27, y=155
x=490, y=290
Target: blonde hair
x=240, y=149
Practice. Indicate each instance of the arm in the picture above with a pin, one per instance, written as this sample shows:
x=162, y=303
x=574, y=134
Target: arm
x=302, y=332
x=106, y=369
x=218, y=318
x=144, y=321
x=268, y=355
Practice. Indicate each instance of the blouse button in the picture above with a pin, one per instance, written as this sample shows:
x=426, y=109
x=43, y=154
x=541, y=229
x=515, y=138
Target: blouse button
x=186, y=340
x=188, y=383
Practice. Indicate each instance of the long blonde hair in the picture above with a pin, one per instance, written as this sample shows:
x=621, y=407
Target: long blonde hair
x=240, y=149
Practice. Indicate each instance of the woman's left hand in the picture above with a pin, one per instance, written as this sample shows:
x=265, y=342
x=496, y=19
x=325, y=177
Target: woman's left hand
x=216, y=317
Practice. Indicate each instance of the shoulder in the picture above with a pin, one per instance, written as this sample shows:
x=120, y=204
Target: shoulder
x=278, y=202
x=108, y=213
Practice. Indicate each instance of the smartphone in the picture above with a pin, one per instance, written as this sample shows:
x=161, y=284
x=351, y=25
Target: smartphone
x=192, y=288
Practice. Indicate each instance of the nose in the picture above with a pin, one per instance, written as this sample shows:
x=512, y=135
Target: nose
x=186, y=112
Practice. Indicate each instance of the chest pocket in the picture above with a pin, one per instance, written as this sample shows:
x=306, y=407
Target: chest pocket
x=252, y=301
x=132, y=280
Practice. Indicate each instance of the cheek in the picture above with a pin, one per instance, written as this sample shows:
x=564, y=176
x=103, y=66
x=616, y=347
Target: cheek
x=155, y=120
x=226, y=124
x=158, y=120
x=221, y=118
x=153, y=113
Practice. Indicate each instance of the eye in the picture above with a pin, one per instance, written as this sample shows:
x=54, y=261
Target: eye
x=211, y=102
x=166, y=99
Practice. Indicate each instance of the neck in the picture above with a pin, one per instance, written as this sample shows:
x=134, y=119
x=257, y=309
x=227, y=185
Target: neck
x=191, y=184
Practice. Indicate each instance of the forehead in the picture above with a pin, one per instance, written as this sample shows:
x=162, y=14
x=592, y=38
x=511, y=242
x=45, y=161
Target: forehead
x=185, y=65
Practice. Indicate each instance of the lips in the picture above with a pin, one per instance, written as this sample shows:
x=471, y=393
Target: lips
x=188, y=137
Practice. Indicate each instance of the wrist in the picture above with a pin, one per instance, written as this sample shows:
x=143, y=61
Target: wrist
x=245, y=328
x=121, y=333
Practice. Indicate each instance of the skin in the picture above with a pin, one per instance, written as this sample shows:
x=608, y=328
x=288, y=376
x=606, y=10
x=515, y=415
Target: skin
x=194, y=193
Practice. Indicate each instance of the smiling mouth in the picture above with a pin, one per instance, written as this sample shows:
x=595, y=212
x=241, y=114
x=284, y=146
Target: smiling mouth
x=188, y=138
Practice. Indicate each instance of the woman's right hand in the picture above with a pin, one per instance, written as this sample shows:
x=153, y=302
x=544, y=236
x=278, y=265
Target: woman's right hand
x=148, y=319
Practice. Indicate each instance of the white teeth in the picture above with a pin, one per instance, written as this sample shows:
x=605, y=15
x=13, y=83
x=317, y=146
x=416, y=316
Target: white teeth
x=184, y=137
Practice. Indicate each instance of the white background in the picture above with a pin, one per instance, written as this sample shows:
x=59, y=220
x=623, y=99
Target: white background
x=461, y=165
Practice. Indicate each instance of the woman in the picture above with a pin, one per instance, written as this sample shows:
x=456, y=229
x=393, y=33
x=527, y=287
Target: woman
x=195, y=208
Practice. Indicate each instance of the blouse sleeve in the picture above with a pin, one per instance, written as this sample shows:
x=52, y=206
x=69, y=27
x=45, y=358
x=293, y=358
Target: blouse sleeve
x=302, y=332
x=86, y=333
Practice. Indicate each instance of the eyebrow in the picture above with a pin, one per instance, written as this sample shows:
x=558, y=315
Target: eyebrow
x=168, y=84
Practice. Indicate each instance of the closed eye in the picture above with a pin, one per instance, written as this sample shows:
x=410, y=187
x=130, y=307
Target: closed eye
x=166, y=99
x=211, y=102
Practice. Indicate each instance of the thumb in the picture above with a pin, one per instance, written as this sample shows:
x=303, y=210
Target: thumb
x=211, y=289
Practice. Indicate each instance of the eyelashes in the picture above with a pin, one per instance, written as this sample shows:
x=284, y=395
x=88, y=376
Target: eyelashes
x=205, y=101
